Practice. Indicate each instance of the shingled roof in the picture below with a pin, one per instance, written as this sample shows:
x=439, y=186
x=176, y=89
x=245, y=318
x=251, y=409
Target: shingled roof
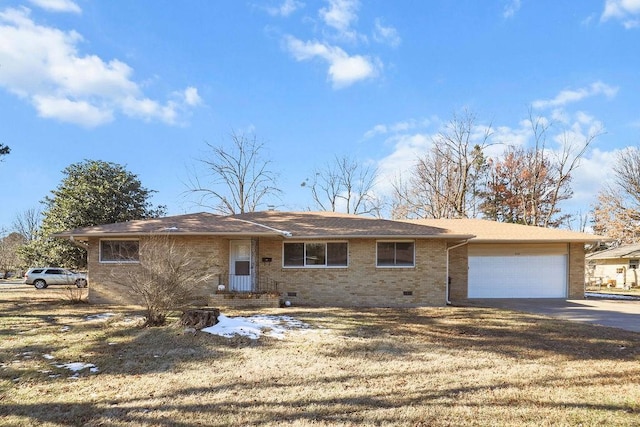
x=486, y=231
x=624, y=251
x=337, y=225
x=189, y=224
x=308, y=225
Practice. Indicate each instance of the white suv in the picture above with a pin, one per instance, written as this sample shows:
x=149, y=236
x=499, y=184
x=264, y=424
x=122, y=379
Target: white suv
x=45, y=276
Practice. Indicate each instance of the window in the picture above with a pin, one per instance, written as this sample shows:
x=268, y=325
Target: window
x=395, y=254
x=633, y=263
x=315, y=254
x=119, y=251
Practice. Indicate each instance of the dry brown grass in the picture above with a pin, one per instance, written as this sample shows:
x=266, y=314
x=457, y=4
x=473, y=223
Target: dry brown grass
x=430, y=366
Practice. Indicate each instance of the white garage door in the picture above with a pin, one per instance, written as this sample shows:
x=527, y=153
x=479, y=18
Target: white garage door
x=532, y=276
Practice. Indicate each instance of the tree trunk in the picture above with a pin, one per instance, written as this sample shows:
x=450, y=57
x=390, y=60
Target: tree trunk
x=201, y=318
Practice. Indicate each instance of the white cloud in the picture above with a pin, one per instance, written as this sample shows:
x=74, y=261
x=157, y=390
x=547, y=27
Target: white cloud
x=191, y=97
x=406, y=149
x=335, y=28
x=569, y=96
x=42, y=65
x=57, y=5
x=626, y=11
x=407, y=144
x=592, y=175
x=386, y=35
x=340, y=14
x=344, y=70
x=286, y=8
x=398, y=127
x=511, y=8
x=77, y=112
x=376, y=130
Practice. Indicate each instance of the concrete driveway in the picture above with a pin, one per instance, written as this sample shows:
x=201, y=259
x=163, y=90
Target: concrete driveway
x=622, y=314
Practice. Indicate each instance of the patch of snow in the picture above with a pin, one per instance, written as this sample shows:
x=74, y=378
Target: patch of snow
x=102, y=316
x=255, y=326
x=65, y=328
x=609, y=296
x=76, y=366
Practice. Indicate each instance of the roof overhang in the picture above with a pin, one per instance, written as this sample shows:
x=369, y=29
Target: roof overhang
x=86, y=236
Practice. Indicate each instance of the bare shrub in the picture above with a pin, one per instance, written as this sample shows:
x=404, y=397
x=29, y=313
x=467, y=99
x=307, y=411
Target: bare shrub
x=167, y=278
x=75, y=295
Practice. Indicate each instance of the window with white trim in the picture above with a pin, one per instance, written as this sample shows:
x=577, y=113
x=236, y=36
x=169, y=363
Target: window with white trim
x=395, y=254
x=315, y=254
x=119, y=251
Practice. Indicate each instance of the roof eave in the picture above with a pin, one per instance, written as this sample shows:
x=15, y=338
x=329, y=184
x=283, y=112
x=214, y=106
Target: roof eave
x=489, y=240
x=163, y=233
x=81, y=236
x=384, y=236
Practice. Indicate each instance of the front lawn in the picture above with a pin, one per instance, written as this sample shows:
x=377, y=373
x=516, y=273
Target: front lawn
x=429, y=367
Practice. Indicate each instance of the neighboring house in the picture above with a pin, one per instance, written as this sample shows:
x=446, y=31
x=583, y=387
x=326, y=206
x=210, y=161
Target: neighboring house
x=614, y=267
x=507, y=260
x=322, y=258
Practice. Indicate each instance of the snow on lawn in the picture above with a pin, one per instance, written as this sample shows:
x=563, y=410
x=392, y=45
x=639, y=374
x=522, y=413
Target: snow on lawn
x=255, y=326
x=609, y=296
x=78, y=366
x=101, y=316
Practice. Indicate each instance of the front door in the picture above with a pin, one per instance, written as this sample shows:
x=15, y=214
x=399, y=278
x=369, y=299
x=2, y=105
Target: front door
x=240, y=266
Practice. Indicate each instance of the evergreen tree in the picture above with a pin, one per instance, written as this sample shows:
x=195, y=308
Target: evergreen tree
x=93, y=192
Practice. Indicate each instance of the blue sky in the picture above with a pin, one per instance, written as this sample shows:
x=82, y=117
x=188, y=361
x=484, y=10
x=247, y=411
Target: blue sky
x=146, y=83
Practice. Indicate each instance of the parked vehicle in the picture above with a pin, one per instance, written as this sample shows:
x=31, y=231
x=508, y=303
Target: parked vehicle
x=44, y=276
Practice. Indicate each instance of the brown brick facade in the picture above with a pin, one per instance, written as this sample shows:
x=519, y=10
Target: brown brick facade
x=108, y=281
x=359, y=284
x=362, y=283
x=576, y=271
x=458, y=273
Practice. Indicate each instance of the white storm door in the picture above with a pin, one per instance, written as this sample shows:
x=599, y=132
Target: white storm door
x=240, y=266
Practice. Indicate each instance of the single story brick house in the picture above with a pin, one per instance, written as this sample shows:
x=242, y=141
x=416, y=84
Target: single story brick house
x=331, y=259
x=615, y=266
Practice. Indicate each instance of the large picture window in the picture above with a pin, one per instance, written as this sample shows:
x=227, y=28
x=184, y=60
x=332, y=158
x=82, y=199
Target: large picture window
x=395, y=254
x=119, y=251
x=315, y=254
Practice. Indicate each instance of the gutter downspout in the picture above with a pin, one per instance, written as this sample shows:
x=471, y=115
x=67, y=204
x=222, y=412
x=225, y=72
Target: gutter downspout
x=447, y=301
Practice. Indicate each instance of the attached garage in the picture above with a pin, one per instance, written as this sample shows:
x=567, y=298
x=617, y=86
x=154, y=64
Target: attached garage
x=514, y=261
x=517, y=271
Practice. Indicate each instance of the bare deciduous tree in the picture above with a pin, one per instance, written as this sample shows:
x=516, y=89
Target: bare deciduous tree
x=167, y=278
x=445, y=181
x=236, y=179
x=28, y=223
x=565, y=161
x=616, y=213
x=10, y=243
x=346, y=184
x=523, y=188
x=527, y=186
